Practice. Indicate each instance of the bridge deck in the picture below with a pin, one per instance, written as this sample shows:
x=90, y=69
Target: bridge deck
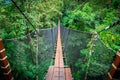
x=59, y=71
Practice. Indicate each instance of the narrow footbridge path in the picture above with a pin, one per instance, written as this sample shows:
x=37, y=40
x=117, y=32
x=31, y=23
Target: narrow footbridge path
x=58, y=71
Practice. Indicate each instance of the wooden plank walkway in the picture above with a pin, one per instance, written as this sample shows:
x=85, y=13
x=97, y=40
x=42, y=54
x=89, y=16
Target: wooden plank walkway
x=58, y=71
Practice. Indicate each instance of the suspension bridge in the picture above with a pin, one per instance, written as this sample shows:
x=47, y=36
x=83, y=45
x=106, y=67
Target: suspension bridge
x=59, y=71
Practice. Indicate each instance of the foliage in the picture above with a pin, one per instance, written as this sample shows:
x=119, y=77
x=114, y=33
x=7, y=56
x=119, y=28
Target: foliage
x=89, y=15
x=41, y=13
x=111, y=37
x=80, y=19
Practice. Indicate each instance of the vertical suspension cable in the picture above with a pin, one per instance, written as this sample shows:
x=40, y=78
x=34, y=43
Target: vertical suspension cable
x=94, y=38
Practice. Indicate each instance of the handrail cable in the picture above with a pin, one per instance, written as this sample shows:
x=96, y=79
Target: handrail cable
x=24, y=15
x=93, y=39
x=111, y=26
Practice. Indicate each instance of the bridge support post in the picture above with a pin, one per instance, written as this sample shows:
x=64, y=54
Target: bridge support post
x=5, y=66
x=114, y=67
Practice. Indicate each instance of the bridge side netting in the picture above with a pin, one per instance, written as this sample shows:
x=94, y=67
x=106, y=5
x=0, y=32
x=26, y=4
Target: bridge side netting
x=31, y=55
x=86, y=54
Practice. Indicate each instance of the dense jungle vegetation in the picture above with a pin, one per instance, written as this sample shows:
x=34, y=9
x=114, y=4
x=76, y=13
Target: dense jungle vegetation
x=88, y=15
x=82, y=15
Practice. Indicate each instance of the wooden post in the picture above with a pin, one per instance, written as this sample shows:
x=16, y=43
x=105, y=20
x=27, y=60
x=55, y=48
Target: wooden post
x=4, y=62
x=114, y=66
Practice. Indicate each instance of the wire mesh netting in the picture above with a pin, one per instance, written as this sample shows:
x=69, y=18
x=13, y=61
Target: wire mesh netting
x=31, y=56
x=100, y=61
x=86, y=55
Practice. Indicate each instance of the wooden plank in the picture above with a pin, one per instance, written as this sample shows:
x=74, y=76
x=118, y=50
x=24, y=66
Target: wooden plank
x=68, y=74
x=62, y=73
x=56, y=74
x=9, y=77
x=116, y=61
x=50, y=73
x=4, y=62
x=109, y=77
x=61, y=62
x=112, y=71
x=59, y=72
x=114, y=66
x=1, y=45
x=2, y=54
x=57, y=59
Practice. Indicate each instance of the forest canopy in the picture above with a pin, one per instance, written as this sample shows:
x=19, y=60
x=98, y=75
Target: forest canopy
x=88, y=15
